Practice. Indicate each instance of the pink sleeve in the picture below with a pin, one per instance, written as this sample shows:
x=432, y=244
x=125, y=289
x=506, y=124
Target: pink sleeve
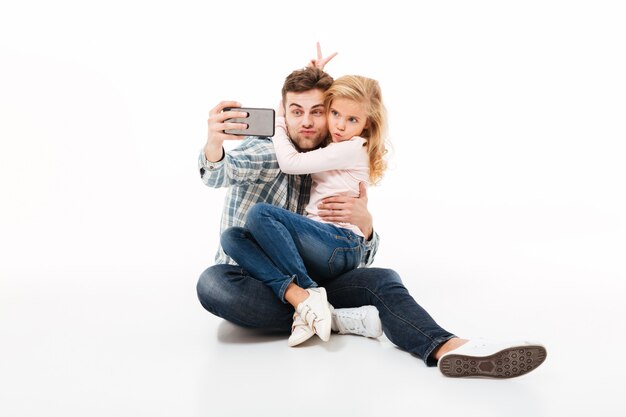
x=342, y=155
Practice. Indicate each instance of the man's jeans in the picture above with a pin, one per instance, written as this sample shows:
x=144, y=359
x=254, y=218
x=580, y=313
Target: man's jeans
x=228, y=292
x=278, y=247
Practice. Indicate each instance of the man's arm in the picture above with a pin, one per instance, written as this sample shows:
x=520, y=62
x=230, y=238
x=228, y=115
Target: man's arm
x=254, y=161
x=351, y=210
x=354, y=211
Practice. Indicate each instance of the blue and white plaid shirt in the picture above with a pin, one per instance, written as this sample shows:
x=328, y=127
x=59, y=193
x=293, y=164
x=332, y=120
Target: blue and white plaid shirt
x=253, y=176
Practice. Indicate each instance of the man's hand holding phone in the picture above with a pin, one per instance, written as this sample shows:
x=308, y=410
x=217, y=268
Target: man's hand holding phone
x=213, y=150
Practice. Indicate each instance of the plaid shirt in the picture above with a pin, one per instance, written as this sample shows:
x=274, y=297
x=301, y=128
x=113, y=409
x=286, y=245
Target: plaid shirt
x=253, y=175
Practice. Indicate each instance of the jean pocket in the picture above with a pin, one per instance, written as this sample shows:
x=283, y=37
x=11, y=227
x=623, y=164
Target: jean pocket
x=344, y=260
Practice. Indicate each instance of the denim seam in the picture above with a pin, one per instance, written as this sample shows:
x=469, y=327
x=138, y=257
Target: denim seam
x=344, y=238
x=283, y=288
x=243, y=273
x=387, y=307
x=434, y=342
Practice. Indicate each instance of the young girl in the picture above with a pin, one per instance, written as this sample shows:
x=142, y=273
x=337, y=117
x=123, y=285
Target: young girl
x=287, y=251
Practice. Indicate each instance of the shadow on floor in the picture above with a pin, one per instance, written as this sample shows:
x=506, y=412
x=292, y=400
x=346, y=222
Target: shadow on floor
x=228, y=332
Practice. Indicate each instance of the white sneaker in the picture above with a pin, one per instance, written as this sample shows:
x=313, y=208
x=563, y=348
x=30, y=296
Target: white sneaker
x=315, y=311
x=491, y=359
x=300, y=331
x=363, y=321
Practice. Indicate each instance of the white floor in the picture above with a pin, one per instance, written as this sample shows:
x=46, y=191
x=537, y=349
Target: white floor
x=503, y=209
x=75, y=347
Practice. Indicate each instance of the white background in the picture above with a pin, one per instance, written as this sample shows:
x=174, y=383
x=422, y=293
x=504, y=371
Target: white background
x=503, y=209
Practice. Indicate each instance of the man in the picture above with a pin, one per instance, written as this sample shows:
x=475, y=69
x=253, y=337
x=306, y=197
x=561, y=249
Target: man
x=251, y=171
x=254, y=176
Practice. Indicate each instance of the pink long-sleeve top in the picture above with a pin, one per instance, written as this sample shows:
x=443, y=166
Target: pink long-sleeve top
x=336, y=169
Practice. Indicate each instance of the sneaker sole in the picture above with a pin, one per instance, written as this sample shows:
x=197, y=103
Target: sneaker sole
x=507, y=363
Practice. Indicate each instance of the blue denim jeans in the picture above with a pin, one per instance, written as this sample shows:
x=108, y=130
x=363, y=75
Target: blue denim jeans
x=227, y=291
x=278, y=247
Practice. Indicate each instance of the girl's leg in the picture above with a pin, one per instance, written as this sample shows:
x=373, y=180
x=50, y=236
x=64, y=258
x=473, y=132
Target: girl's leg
x=301, y=246
x=311, y=305
x=239, y=244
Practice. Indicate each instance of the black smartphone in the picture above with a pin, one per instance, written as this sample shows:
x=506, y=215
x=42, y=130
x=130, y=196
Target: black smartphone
x=260, y=121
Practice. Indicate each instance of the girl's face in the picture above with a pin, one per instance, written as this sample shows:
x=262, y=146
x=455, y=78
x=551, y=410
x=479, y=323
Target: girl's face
x=346, y=119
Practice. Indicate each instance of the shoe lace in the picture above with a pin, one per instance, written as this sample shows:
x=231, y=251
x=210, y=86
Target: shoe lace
x=351, y=322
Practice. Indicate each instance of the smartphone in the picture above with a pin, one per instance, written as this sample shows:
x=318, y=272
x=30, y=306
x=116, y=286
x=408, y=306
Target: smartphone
x=260, y=121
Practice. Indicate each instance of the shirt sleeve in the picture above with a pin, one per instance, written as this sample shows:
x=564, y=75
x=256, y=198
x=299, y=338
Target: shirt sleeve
x=372, y=248
x=254, y=161
x=340, y=155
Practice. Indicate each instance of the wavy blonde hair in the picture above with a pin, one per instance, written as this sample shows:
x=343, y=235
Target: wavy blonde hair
x=366, y=91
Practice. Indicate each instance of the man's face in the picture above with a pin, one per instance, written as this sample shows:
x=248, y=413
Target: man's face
x=306, y=119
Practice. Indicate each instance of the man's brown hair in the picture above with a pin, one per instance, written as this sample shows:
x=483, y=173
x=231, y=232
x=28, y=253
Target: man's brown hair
x=309, y=78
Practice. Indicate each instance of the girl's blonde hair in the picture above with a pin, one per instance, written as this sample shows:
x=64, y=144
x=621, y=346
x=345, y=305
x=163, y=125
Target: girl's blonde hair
x=366, y=91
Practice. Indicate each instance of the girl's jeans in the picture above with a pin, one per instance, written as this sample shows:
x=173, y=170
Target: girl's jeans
x=279, y=247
